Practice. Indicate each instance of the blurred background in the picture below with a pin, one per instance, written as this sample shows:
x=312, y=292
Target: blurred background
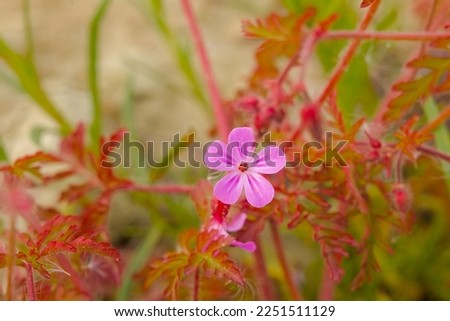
x=149, y=83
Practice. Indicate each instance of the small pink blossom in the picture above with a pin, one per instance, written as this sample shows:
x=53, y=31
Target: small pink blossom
x=244, y=168
x=236, y=223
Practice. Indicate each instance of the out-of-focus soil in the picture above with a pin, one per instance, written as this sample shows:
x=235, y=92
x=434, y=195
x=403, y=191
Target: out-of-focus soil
x=131, y=48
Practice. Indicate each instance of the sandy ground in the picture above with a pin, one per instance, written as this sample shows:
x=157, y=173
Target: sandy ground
x=130, y=48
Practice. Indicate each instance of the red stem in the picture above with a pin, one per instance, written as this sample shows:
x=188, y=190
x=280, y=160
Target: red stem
x=327, y=288
x=196, y=284
x=294, y=291
x=434, y=152
x=395, y=36
x=349, y=52
x=221, y=118
x=261, y=271
x=410, y=73
x=31, y=293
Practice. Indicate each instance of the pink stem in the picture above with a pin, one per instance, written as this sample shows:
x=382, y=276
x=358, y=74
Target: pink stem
x=221, y=118
x=434, y=152
x=31, y=293
x=261, y=271
x=395, y=36
x=327, y=288
x=294, y=291
x=409, y=74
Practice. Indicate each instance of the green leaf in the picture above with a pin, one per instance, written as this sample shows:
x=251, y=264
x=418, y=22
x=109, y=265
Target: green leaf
x=138, y=260
x=94, y=30
x=24, y=69
x=442, y=135
x=3, y=154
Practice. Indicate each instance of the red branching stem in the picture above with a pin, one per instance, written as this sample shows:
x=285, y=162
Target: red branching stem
x=351, y=184
x=305, y=54
x=300, y=56
x=327, y=288
x=161, y=189
x=435, y=123
x=394, y=36
x=293, y=289
x=349, y=52
x=410, y=73
x=221, y=117
x=31, y=293
x=434, y=152
x=11, y=257
x=261, y=272
x=196, y=284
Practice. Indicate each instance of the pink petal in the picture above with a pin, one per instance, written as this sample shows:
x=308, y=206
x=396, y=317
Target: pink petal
x=229, y=188
x=216, y=157
x=241, y=145
x=219, y=227
x=237, y=222
x=270, y=161
x=258, y=190
x=247, y=246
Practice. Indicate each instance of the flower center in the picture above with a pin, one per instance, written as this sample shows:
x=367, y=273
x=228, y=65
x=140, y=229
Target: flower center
x=243, y=167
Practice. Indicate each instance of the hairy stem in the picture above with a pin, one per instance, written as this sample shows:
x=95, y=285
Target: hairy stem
x=394, y=36
x=261, y=272
x=221, y=118
x=435, y=123
x=293, y=290
x=327, y=288
x=196, y=284
x=434, y=152
x=349, y=52
x=31, y=293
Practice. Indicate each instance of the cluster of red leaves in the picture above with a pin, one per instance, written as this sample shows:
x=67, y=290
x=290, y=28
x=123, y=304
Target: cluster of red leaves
x=430, y=76
x=335, y=201
x=201, y=255
x=330, y=199
x=56, y=245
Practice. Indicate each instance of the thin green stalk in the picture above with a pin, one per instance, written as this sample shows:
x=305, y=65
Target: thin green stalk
x=94, y=30
x=26, y=73
x=180, y=52
x=138, y=260
x=3, y=154
x=441, y=134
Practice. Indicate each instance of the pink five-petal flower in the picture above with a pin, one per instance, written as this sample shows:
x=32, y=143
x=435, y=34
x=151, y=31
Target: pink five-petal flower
x=235, y=224
x=244, y=168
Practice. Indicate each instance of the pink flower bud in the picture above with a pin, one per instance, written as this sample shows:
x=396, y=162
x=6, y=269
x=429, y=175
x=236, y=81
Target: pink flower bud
x=401, y=197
